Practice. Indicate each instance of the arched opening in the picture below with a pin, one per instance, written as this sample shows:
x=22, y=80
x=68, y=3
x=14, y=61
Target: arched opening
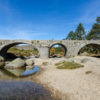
x=18, y=49
x=90, y=50
x=57, y=50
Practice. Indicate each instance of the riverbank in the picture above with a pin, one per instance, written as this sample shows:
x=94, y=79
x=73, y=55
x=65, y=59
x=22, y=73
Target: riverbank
x=71, y=84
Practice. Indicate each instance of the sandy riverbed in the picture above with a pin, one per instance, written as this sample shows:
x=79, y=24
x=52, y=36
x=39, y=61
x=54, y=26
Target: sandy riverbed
x=75, y=84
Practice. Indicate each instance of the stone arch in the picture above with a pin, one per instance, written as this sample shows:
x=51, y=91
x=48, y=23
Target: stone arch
x=4, y=48
x=65, y=49
x=97, y=45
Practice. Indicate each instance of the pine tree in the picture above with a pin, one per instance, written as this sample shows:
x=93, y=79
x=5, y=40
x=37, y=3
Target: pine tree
x=80, y=32
x=98, y=19
x=71, y=36
x=94, y=33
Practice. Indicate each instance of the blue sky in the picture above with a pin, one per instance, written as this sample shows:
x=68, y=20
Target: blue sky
x=45, y=19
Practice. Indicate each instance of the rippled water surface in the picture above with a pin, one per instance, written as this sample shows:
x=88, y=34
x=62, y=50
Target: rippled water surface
x=19, y=90
x=15, y=87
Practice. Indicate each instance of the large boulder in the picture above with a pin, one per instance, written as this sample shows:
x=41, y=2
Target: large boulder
x=29, y=67
x=16, y=72
x=85, y=60
x=29, y=62
x=2, y=62
x=17, y=63
x=84, y=54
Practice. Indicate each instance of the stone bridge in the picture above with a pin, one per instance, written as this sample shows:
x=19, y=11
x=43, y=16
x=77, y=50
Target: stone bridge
x=72, y=47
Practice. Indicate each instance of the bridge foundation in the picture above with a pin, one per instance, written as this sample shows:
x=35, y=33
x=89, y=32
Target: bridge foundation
x=44, y=52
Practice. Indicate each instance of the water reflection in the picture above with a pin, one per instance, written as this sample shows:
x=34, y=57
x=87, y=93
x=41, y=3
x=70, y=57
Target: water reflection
x=30, y=72
x=14, y=87
x=19, y=90
x=20, y=72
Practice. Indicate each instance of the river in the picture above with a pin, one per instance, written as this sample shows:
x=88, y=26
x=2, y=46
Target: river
x=18, y=84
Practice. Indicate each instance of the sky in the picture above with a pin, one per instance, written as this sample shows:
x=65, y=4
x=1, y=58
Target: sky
x=45, y=19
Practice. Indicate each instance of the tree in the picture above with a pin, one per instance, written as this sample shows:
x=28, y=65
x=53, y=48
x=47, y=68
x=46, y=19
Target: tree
x=94, y=33
x=71, y=36
x=52, y=51
x=80, y=32
x=98, y=19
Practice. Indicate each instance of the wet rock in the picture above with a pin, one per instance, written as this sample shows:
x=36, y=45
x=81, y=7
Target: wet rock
x=29, y=62
x=17, y=63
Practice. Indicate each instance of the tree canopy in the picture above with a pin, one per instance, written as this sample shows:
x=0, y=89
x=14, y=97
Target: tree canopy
x=94, y=33
x=79, y=33
x=71, y=36
x=98, y=19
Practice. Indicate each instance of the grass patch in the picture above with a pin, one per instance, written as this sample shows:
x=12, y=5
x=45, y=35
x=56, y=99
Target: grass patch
x=68, y=65
x=88, y=72
x=44, y=63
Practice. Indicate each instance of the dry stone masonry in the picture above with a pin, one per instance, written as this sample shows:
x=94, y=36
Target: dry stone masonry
x=72, y=47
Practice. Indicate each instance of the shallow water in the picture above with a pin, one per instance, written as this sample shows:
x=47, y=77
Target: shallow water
x=21, y=72
x=15, y=87
x=19, y=90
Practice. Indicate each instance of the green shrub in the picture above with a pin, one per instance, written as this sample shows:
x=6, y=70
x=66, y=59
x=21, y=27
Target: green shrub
x=37, y=41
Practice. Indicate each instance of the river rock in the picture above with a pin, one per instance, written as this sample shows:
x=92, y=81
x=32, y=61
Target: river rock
x=2, y=62
x=85, y=60
x=17, y=63
x=32, y=56
x=71, y=59
x=29, y=62
x=84, y=54
x=1, y=59
x=29, y=67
